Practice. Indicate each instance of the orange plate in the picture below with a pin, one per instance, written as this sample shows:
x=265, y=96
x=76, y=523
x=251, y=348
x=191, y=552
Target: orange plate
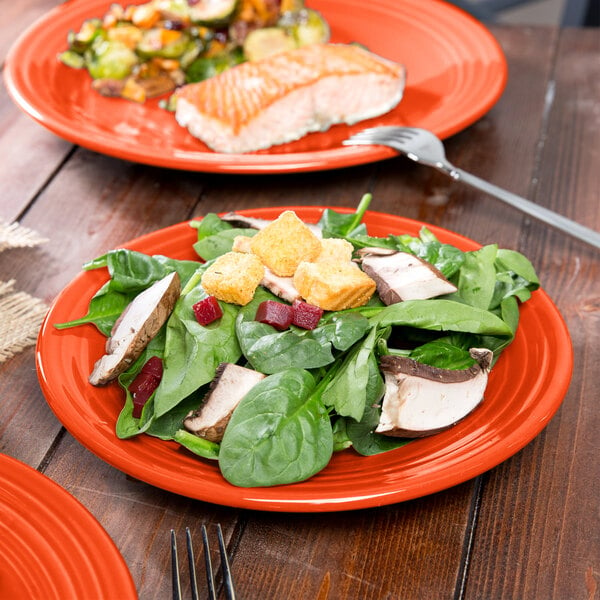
x=456, y=73
x=51, y=546
x=525, y=389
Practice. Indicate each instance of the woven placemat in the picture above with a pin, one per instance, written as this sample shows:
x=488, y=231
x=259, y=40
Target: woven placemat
x=14, y=235
x=20, y=318
x=20, y=314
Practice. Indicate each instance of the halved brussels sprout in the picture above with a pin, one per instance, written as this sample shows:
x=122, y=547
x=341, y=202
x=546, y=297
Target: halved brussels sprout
x=213, y=13
x=165, y=43
x=206, y=67
x=267, y=41
x=110, y=60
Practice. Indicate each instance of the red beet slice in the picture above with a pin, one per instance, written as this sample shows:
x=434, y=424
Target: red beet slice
x=207, y=310
x=143, y=386
x=306, y=315
x=274, y=313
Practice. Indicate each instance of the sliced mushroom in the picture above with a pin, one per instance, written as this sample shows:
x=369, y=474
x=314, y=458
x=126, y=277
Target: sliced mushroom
x=402, y=276
x=230, y=384
x=136, y=326
x=421, y=400
x=283, y=287
x=252, y=223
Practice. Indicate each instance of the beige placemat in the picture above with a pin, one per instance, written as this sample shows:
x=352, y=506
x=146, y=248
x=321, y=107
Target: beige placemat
x=20, y=318
x=20, y=314
x=14, y=235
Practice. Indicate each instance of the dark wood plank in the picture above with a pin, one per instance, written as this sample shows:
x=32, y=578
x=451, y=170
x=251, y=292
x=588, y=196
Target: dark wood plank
x=536, y=536
x=18, y=16
x=30, y=156
x=501, y=148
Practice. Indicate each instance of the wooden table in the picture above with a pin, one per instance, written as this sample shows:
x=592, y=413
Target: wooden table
x=527, y=529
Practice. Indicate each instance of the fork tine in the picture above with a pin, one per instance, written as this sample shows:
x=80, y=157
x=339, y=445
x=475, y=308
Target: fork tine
x=227, y=579
x=210, y=581
x=191, y=564
x=176, y=583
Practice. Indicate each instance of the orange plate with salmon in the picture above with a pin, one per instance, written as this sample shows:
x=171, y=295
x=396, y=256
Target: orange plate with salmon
x=455, y=70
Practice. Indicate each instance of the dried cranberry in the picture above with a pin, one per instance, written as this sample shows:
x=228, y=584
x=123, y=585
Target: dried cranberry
x=207, y=310
x=143, y=386
x=274, y=313
x=306, y=315
x=174, y=25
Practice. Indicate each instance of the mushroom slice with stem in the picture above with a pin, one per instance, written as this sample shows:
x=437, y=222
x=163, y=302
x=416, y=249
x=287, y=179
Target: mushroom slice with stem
x=403, y=276
x=229, y=386
x=137, y=325
x=421, y=400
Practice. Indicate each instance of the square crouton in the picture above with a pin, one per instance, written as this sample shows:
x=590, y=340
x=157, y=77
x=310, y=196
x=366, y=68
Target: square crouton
x=333, y=286
x=335, y=250
x=233, y=277
x=285, y=243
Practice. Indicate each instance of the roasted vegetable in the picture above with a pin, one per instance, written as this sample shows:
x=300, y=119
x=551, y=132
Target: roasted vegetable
x=198, y=39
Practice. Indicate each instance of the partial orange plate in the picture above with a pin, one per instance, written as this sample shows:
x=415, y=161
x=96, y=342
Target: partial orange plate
x=456, y=73
x=526, y=388
x=50, y=545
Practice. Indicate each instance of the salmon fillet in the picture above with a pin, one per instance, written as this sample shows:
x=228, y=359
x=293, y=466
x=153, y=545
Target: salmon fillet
x=283, y=97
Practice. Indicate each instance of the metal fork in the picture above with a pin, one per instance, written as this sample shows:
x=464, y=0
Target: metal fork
x=423, y=146
x=210, y=581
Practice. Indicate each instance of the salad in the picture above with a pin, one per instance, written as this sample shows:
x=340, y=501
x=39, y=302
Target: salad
x=143, y=51
x=319, y=388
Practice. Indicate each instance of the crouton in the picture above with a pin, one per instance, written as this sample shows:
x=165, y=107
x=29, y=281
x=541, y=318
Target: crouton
x=333, y=286
x=285, y=243
x=335, y=250
x=241, y=243
x=233, y=277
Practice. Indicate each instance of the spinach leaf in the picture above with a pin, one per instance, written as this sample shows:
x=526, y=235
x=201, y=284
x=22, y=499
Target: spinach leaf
x=269, y=350
x=104, y=309
x=440, y=315
x=215, y=245
x=193, y=351
x=477, y=277
x=131, y=272
x=444, y=353
x=210, y=224
x=362, y=433
x=341, y=330
x=335, y=224
x=279, y=433
x=346, y=392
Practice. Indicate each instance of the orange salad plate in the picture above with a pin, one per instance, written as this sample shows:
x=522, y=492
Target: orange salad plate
x=525, y=389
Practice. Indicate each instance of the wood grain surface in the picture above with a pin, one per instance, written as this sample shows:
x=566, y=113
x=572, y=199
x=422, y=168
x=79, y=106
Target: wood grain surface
x=528, y=529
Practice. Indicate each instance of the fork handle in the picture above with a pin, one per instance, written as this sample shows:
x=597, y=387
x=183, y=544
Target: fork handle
x=590, y=236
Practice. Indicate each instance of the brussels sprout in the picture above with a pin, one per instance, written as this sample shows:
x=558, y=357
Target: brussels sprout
x=213, y=13
x=82, y=40
x=72, y=59
x=267, y=41
x=307, y=26
x=110, y=60
x=206, y=67
x=164, y=43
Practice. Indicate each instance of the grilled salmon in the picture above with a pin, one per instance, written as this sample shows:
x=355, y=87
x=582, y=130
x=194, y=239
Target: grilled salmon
x=283, y=97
